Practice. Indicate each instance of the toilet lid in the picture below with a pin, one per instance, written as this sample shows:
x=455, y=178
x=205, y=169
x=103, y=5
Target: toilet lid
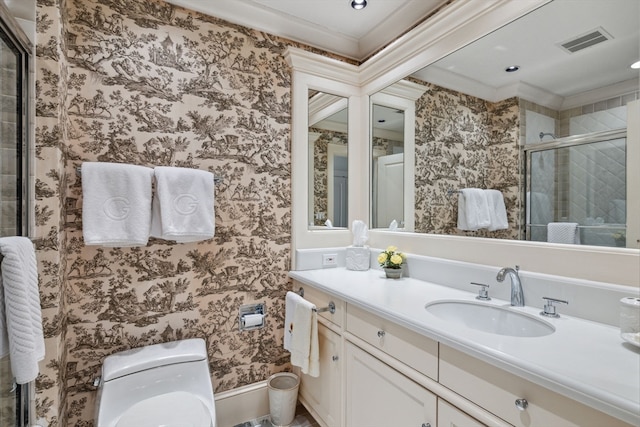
x=176, y=409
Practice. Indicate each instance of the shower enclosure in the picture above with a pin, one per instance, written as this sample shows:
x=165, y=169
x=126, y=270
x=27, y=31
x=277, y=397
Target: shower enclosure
x=580, y=179
x=14, y=72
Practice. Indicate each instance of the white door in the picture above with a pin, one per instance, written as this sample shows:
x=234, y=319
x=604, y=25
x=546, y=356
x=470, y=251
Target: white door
x=389, y=190
x=380, y=396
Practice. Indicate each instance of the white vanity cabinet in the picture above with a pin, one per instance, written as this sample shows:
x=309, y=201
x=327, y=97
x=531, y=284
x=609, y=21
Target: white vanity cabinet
x=379, y=396
x=375, y=372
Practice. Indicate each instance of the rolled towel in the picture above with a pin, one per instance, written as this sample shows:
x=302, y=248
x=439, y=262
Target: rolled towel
x=563, y=232
x=116, y=204
x=497, y=210
x=21, y=335
x=183, y=206
x=473, y=209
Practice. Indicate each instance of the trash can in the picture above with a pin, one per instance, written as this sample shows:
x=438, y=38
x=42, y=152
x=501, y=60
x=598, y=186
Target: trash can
x=283, y=397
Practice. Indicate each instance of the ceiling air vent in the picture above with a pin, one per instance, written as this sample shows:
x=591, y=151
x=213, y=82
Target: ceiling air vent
x=584, y=41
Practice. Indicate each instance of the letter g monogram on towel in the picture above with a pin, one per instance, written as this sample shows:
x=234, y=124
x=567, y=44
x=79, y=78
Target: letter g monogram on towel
x=186, y=204
x=117, y=208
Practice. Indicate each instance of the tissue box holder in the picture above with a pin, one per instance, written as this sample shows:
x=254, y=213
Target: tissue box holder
x=358, y=258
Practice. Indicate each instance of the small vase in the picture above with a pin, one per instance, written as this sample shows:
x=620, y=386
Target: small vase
x=393, y=273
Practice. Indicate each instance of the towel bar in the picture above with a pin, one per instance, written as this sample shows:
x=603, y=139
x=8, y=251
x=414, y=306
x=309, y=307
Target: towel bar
x=331, y=308
x=216, y=180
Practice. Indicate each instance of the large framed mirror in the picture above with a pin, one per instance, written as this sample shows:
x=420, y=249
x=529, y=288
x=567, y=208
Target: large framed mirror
x=477, y=115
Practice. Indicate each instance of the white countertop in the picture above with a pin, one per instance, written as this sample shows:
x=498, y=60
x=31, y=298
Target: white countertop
x=583, y=360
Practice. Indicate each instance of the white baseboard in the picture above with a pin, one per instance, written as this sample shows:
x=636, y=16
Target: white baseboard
x=242, y=404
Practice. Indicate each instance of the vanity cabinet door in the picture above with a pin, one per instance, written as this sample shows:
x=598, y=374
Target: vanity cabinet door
x=378, y=395
x=450, y=416
x=322, y=395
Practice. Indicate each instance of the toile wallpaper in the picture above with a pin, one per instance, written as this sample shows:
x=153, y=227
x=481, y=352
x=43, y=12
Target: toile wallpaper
x=151, y=84
x=461, y=142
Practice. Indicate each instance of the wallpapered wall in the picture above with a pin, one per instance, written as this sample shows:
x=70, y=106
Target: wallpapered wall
x=143, y=82
x=463, y=141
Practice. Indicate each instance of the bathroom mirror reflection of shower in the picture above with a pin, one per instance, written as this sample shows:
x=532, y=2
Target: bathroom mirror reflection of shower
x=581, y=183
x=328, y=160
x=474, y=117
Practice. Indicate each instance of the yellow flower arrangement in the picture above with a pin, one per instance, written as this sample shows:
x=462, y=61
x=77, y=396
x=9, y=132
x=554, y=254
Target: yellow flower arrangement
x=391, y=258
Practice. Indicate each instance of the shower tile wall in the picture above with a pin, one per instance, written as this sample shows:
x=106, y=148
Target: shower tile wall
x=567, y=117
x=570, y=202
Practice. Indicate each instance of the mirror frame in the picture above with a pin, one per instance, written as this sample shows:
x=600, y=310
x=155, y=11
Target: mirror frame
x=453, y=27
x=336, y=78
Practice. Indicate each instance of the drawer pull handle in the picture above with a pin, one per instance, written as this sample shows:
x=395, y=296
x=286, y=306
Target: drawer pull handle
x=335, y=358
x=522, y=404
x=381, y=334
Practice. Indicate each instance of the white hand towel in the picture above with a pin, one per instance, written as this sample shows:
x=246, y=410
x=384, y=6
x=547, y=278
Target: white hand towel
x=20, y=308
x=301, y=334
x=497, y=210
x=116, y=205
x=183, y=207
x=473, y=209
x=563, y=232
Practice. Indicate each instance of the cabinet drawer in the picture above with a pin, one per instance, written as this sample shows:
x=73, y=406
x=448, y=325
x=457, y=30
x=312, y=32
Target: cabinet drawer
x=412, y=349
x=496, y=391
x=321, y=300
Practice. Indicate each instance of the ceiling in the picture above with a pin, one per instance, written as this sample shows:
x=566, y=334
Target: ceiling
x=548, y=74
x=331, y=25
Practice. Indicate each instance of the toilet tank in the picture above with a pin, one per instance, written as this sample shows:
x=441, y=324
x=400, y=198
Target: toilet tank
x=153, y=356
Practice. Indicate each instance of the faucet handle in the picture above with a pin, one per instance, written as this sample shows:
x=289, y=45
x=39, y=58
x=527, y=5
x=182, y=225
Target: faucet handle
x=483, y=294
x=550, y=309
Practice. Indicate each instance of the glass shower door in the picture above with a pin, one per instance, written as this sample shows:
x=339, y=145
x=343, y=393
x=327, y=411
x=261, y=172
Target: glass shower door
x=13, y=72
x=579, y=180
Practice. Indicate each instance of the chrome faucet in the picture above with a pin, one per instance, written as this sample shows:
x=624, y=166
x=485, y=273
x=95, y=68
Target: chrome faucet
x=517, y=296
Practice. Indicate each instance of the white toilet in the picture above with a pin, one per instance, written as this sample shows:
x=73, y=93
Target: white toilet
x=159, y=385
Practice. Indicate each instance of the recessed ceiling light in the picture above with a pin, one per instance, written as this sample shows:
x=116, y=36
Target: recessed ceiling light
x=358, y=4
x=512, y=68
x=636, y=65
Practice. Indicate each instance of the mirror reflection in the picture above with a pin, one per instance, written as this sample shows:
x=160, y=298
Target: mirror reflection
x=387, y=167
x=576, y=190
x=328, y=165
x=571, y=76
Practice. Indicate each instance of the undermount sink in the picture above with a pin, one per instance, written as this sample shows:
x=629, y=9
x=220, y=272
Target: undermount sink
x=490, y=318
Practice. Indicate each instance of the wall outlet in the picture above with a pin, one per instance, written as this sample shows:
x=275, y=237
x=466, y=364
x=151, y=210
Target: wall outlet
x=329, y=260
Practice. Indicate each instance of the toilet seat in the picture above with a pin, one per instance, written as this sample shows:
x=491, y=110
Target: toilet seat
x=163, y=411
